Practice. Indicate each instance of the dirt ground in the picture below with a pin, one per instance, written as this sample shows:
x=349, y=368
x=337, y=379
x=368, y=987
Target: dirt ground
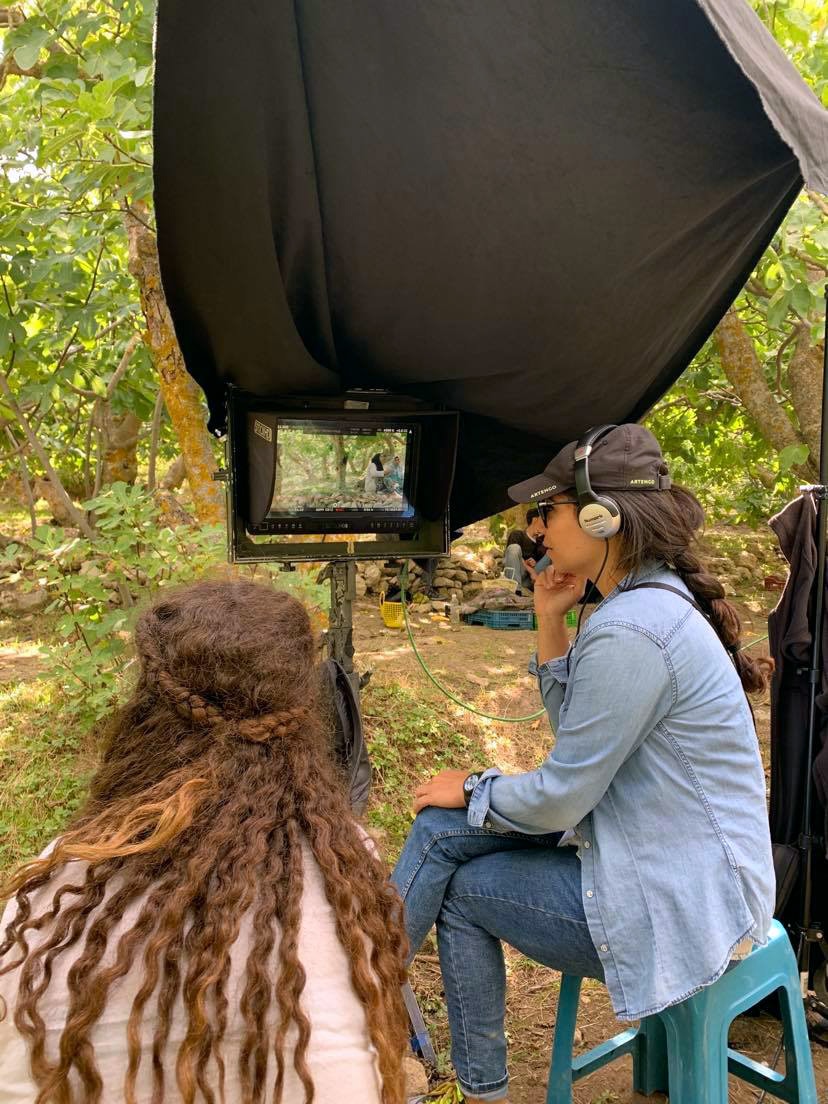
x=487, y=668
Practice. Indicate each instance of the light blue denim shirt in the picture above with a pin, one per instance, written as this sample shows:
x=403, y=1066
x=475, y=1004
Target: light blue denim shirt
x=656, y=765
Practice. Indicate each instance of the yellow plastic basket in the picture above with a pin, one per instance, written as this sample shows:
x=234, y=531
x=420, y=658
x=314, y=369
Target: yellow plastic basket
x=392, y=613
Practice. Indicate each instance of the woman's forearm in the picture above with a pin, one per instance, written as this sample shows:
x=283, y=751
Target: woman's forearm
x=553, y=639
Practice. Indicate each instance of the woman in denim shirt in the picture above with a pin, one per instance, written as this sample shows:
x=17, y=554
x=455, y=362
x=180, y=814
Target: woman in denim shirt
x=638, y=852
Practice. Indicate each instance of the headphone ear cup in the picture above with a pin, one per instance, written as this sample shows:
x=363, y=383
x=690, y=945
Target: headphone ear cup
x=600, y=517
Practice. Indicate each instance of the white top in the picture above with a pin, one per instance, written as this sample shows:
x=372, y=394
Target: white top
x=372, y=474
x=340, y=1057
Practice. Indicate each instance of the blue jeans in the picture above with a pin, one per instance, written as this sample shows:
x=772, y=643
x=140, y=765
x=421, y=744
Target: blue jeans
x=481, y=887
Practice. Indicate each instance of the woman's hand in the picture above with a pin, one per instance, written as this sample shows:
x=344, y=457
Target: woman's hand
x=444, y=790
x=556, y=592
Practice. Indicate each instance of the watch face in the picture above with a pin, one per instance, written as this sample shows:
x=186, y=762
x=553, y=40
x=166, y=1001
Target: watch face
x=470, y=783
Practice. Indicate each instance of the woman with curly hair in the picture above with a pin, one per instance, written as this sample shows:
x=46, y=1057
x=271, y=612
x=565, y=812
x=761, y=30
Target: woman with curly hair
x=211, y=926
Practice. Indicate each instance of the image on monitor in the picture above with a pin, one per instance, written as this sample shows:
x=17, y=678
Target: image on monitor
x=325, y=468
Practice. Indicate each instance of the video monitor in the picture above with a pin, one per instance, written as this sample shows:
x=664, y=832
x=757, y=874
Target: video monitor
x=364, y=475
x=325, y=470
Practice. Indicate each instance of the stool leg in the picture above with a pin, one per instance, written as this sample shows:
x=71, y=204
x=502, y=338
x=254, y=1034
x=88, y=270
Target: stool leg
x=559, y=1089
x=696, y=1054
x=799, y=1068
x=650, y=1058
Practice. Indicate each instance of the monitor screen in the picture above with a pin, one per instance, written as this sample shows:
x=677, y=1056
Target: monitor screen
x=325, y=468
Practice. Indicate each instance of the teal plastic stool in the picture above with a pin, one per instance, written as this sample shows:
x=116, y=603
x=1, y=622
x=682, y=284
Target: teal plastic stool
x=683, y=1050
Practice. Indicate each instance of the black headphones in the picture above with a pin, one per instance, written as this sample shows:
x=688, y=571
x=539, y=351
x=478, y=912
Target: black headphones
x=598, y=515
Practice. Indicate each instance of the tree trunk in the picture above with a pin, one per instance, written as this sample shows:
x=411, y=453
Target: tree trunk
x=341, y=461
x=805, y=386
x=743, y=369
x=182, y=395
x=120, y=452
x=175, y=475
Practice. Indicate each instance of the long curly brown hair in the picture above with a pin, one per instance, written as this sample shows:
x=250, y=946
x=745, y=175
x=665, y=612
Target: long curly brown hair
x=212, y=776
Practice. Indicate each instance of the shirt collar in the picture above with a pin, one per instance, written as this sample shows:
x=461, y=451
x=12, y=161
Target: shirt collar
x=647, y=569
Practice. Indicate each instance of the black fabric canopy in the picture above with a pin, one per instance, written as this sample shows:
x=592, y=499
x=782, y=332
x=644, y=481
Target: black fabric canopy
x=534, y=212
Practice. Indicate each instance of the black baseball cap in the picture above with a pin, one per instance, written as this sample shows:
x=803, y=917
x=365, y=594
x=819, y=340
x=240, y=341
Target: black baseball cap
x=628, y=458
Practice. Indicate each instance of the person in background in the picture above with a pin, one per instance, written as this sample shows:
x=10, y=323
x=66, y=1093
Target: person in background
x=212, y=925
x=525, y=553
x=394, y=476
x=373, y=474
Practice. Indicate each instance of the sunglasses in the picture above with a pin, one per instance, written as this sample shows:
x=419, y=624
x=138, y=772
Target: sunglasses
x=546, y=508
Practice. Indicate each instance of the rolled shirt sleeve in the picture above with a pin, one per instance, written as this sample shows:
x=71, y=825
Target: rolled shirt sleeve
x=621, y=688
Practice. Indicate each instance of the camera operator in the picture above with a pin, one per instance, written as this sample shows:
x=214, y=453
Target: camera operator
x=638, y=852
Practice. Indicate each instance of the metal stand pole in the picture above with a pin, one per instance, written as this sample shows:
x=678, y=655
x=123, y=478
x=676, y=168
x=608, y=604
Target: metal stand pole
x=811, y=932
x=342, y=575
x=341, y=648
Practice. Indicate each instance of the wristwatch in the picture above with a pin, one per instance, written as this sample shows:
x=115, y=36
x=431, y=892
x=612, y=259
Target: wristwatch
x=469, y=783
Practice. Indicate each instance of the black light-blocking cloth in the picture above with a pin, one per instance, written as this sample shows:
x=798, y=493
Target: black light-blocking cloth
x=533, y=212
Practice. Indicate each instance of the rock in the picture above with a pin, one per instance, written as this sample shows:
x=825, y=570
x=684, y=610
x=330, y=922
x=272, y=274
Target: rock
x=470, y=589
x=361, y=586
x=372, y=575
x=416, y=1079
x=24, y=601
x=748, y=560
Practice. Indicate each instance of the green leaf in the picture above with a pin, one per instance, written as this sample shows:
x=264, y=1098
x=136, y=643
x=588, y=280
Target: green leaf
x=793, y=455
x=26, y=55
x=778, y=307
x=801, y=298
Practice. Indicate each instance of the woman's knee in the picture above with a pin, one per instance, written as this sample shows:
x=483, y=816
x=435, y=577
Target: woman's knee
x=432, y=822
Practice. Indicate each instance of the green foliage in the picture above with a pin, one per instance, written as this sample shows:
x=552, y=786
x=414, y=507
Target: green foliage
x=408, y=737
x=75, y=153
x=96, y=591
x=44, y=767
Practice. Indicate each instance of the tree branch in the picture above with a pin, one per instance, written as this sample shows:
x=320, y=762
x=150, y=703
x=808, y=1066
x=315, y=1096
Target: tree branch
x=808, y=260
x=24, y=475
x=40, y=452
x=154, y=436
x=779, y=353
x=115, y=146
x=117, y=375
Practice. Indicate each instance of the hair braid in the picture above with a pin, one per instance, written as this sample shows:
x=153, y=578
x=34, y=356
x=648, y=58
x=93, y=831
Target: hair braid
x=665, y=526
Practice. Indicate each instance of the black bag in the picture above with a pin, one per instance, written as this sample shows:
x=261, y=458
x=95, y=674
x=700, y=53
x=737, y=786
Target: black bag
x=349, y=748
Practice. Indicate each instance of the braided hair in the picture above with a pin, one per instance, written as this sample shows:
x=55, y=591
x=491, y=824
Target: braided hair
x=215, y=778
x=665, y=525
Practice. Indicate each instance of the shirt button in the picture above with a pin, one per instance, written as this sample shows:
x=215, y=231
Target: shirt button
x=587, y=843
x=487, y=823
x=603, y=947
x=590, y=893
